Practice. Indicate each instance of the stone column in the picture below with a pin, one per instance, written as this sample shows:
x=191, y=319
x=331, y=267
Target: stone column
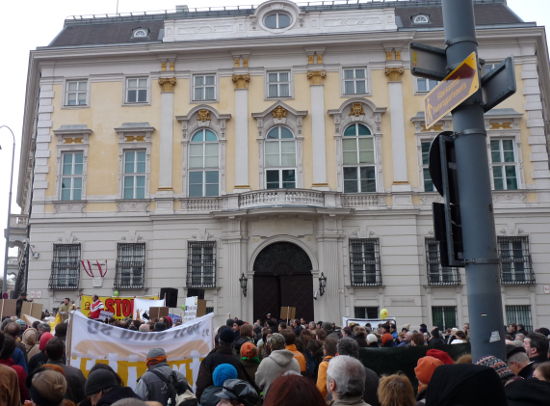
x=318, y=139
x=241, y=82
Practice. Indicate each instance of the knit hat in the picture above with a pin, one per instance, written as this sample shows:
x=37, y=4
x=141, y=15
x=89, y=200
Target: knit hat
x=29, y=336
x=425, y=368
x=386, y=338
x=227, y=335
x=99, y=380
x=249, y=350
x=44, y=338
x=155, y=356
x=48, y=387
x=440, y=355
x=498, y=365
x=371, y=338
x=224, y=372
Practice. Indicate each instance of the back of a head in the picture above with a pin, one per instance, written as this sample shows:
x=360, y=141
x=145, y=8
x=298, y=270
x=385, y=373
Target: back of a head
x=290, y=337
x=55, y=349
x=276, y=341
x=12, y=329
x=129, y=402
x=349, y=375
x=61, y=330
x=330, y=346
x=8, y=347
x=348, y=346
x=293, y=390
x=100, y=380
x=396, y=390
x=246, y=330
x=48, y=388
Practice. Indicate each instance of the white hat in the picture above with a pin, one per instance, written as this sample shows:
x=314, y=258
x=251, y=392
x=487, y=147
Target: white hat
x=371, y=338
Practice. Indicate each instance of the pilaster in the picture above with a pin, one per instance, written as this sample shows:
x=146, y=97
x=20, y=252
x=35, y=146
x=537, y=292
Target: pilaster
x=317, y=92
x=241, y=82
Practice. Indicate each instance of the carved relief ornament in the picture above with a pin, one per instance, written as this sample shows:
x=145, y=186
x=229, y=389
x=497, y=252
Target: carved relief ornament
x=241, y=81
x=203, y=115
x=316, y=77
x=167, y=84
x=279, y=112
x=394, y=73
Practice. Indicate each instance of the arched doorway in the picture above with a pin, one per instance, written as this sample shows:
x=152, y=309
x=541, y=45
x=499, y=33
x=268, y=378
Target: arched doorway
x=282, y=277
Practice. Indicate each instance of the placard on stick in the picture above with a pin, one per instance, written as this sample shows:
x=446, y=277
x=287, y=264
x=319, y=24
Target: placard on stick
x=288, y=312
x=7, y=307
x=157, y=312
x=32, y=309
x=201, y=307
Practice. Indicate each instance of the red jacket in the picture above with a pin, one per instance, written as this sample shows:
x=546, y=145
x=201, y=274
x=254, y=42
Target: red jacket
x=95, y=309
x=21, y=376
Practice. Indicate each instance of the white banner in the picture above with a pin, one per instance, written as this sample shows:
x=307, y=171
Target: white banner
x=143, y=305
x=191, y=304
x=125, y=350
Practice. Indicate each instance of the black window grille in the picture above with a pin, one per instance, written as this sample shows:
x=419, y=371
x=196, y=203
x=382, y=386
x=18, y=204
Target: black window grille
x=65, y=267
x=515, y=261
x=366, y=312
x=201, y=264
x=519, y=314
x=364, y=257
x=130, y=266
x=444, y=316
x=439, y=275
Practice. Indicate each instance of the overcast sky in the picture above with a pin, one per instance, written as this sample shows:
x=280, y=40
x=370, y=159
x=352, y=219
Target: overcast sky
x=27, y=24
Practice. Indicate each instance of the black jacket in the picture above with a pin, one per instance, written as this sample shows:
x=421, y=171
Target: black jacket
x=528, y=392
x=116, y=393
x=208, y=397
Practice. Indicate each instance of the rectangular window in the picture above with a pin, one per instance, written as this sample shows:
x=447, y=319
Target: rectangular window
x=364, y=258
x=428, y=184
x=503, y=164
x=359, y=180
x=203, y=183
x=424, y=85
x=444, y=316
x=71, y=175
x=134, y=174
x=437, y=274
x=65, y=266
x=136, y=90
x=278, y=84
x=76, y=92
x=515, y=261
x=204, y=87
x=130, y=266
x=355, y=80
x=201, y=264
x=280, y=178
x=366, y=312
x=519, y=314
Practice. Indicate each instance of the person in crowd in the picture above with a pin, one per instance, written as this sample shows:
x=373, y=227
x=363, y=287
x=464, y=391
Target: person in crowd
x=519, y=362
x=528, y=392
x=465, y=384
x=7, y=346
x=221, y=354
x=30, y=341
x=290, y=345
x=460, y=338
x=504, y=373
x=19, y=355
x=48, y=388
x=395, y=390
x=262, y=348
x=65, y=308
x=359, y=333
x=405, y=339
x=441, y=355
x=348, y=346
x=293, y=390
x=436, y=341
x=542, y=371
x=424, y=370
x=417, y=340
x=9, y=387
x=221, y=373
x=536, y=347
x=245, y=336
x=55, y=350
x=61, y=330
x=511, y=330
x=95, y=308
x=372, y=340
x=19, y=303
x=40, y=359
x=309, y=347
x=42, y=328
x=103, y=388
x=249, y=359
x=279, y=361
x=237, y=392
x=329, y=351
x=386, y=340
x=160, y=379
x=346, y=381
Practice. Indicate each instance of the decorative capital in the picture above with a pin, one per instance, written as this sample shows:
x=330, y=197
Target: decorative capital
x=356, y=110
x=241, y=81
x=279, y=112
x=203, y=115
x=393, y=55
x=316, y=77
x=394, y=74
x=167, y=84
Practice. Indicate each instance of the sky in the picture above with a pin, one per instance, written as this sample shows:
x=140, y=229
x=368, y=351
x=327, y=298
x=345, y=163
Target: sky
x=28, y=24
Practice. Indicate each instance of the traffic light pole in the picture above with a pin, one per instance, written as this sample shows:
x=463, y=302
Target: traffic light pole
x=476, y=207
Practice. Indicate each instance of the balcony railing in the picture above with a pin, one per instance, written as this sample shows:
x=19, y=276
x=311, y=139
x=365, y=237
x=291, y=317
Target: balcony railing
x=280, y=197
x=445, y=277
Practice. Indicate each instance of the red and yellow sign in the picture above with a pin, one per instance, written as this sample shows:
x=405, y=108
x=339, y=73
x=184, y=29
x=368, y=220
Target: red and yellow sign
x=121, y=307
x=460, y=84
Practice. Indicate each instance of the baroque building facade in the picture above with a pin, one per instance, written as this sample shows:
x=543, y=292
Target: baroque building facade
x=272, y=156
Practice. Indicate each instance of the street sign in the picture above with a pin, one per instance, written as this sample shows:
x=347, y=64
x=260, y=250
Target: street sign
x=498, y=84
x=460, y=84
x=427, y=61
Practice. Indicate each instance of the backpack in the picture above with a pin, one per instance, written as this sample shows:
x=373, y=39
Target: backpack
x=183, y=397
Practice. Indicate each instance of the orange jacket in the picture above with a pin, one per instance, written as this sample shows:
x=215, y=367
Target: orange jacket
x=298, y=356
x=322, y=375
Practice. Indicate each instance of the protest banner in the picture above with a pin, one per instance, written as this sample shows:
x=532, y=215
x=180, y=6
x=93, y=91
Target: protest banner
x=121, y=307
x=7, y=307
x=142, y=305
x=346, y=321
x=32, y=309
x=124, y=350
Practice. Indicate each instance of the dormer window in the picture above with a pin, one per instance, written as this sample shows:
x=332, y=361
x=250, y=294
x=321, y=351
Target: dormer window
x=140, y=33
x=421, y=19
x=277, y=20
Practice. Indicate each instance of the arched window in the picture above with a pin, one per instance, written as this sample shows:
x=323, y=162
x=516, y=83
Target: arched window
x=277, y=20
x=204, y=164
x=280, y=159
x=358, y=159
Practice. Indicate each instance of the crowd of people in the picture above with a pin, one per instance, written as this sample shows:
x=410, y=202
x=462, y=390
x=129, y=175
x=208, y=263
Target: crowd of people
x=270, y=363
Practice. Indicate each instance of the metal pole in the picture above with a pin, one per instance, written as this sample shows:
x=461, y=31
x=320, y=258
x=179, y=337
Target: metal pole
x=5, y=279
x=474, y=185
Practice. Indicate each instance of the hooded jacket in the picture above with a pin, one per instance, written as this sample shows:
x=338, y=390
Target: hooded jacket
x=528, y=392
x=152, y=387
x=278, y=362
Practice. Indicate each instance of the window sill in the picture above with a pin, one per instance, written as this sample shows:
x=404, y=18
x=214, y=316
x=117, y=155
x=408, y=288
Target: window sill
x=136, y=104
x=351, y=95
x=69, y=206
x=71, y=107
x=204, y=101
